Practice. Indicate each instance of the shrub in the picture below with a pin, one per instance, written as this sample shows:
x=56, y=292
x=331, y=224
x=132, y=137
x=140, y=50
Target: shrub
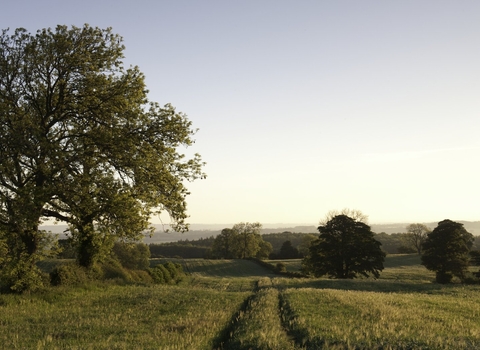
x=22, y=276
x=166, y=273
x=132, y=256
x=67, y=249
x=68, y=274
x=280, y=267
x=113, y=271
x=141, y=276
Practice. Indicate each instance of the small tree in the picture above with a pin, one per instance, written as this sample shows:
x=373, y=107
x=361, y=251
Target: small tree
x=224, y=245
x=132, y=255
x=475, y=260
x=242, y=241
x=265, y=249
x=248, y=239
x=416, y=235
x=446, y=251
x=355, y=214
x=288, y=251
x=304, y=246
x=346, y=248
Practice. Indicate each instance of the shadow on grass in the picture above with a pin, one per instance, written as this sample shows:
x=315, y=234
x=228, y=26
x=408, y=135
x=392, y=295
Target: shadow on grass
x=379, y=286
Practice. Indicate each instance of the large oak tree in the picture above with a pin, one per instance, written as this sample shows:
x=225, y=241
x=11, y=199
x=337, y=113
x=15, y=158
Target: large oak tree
x=446, y=250
x=81, y=143
x=346, y=248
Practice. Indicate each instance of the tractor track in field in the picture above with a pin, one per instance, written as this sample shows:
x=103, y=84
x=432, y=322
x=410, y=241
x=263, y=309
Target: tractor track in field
x=267, y=296
x=225, y=336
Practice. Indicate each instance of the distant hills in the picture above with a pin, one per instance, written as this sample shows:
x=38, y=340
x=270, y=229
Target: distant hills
x=207, y=230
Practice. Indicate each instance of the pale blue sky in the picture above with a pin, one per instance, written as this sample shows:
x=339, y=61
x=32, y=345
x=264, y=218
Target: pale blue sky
x=308, y=106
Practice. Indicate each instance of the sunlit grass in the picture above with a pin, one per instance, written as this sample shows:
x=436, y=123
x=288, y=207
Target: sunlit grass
x=259, y=327
x=349, y=319
x=117, y=317
x=404, y=308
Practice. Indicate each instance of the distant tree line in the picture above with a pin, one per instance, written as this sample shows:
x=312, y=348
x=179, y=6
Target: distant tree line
x=347, y=248
x=284, y=245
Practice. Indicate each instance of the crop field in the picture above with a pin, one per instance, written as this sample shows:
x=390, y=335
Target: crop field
x=235, y=304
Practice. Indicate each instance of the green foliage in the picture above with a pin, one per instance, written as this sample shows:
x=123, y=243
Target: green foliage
x=22, y=275
x=264, y=251
x=280, y=267
x=81, y=143
x=346, y=248
x=166, y=273
x=67, y=249
x=132, y=255
x=72, y=274
x=288, y=251
x=391, y=243
x=299, y=240
x=241, y=242
x=416, y=236
x=475, y=257
x=248, y=239
x=69, y=274
x=18, y=269
x=304, y=246
x=446, y=251
x=225, y=244
x=403, y=249
x=182, y=249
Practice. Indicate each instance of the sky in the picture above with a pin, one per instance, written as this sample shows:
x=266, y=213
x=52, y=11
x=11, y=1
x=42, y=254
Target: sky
x=304, y=107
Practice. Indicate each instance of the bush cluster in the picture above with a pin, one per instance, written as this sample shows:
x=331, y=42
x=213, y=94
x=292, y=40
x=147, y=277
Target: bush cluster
x=68, y=274
x=132, y=255
x=167, y=273
x=71, y=274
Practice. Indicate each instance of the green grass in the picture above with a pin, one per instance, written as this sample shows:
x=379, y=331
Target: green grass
x=292, y=265
x=117, y=317
x=259, y=326
x=242, y=305
x=371, y=320
x=402, y=260
x=220, y=268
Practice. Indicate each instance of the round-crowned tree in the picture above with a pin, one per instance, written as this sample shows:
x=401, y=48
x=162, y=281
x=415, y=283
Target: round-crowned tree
x=82, y=144
x=446, y=251
x=346, y=248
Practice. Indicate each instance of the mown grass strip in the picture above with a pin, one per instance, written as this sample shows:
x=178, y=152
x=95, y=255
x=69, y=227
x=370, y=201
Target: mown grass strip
x=259, y=326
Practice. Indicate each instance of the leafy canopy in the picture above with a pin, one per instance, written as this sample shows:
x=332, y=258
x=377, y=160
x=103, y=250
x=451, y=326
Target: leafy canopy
x=81, y=143
x=346, y=248
x=446, y=250
x=242, y=241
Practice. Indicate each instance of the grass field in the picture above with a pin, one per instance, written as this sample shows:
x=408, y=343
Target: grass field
x=234, y=304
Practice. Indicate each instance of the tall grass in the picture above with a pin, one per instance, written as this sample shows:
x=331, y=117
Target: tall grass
x=356, y=319
x=244, y=303
x=117, y=317
x=259, y=327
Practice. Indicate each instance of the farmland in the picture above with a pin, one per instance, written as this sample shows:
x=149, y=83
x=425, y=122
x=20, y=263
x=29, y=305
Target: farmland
x=236, y=304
